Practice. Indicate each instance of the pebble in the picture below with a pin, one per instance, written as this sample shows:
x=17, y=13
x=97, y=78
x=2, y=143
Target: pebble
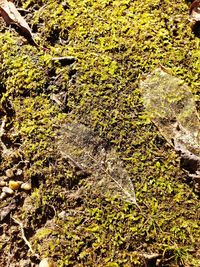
x=4, y=178
x=26, y=186
x=14, y=185
x=3, y=183
x=9, y=173
x=46, y=263
x=3, y=195
x=19, y=172
x=62, y=214
x=7, y=190
x=25, y=263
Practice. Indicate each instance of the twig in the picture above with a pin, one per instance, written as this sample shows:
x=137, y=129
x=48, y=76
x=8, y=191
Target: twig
x=150, y=256
x=23, y=10
x=2, y=128
x=2, y=131
x=24, y=237
x=64, y=61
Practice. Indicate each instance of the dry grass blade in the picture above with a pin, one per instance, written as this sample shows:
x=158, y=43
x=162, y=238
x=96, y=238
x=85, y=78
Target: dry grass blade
x=24, y=237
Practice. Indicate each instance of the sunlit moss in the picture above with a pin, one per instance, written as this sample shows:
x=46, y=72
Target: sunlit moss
x=114, y=43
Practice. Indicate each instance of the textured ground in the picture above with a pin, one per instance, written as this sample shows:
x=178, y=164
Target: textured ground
x=114, y=44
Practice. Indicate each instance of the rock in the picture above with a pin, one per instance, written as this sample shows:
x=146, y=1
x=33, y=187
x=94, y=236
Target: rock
x=5, y=211
x=7, y=190
x=9, y=173
x=26, y=186
x=14, y=185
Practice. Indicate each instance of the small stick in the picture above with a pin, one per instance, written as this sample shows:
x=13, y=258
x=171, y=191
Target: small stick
x=64, y=61
x=23, y=10
x=150, y=256
x=2, y=127
x=2, y=131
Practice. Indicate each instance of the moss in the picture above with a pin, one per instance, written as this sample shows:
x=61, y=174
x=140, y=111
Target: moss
x=114, y=43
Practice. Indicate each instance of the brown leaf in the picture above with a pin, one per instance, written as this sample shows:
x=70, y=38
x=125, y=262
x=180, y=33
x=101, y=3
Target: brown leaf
x=195, y=11
x=11, y=15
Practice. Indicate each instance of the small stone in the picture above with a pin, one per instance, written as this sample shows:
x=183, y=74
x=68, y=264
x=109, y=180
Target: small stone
x=3, y=183
x=9, y=173
x=62, y=214
x=4, y=178
x=14, y=185
x=7, y=190
x=25, y=263
x=19, y=172
x=3, y=195
x=26, y=186
x=47, y=263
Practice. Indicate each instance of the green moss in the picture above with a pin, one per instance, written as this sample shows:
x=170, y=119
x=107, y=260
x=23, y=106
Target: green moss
x=114, y=43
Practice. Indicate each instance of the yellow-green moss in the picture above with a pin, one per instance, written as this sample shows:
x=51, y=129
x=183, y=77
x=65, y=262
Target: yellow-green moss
x=114, y=43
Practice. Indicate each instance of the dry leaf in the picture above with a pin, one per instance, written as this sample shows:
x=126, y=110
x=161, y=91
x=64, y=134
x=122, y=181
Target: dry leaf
x=195, y=11
x=170, y=104
x=91, y=155
x=11, y=15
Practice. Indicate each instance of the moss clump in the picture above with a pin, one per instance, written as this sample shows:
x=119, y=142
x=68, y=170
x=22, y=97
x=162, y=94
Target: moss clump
x=114, y=43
